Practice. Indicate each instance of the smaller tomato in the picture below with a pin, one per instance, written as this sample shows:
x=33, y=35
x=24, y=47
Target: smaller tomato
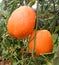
x=44, y=42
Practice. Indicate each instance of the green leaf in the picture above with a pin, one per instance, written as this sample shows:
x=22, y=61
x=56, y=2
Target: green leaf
x=31, y=3
x=56, y=29
x=56, y=57
x=15, y=63
x=58, y=3
x=54, y=36
x=6, y=54
x=49, y=63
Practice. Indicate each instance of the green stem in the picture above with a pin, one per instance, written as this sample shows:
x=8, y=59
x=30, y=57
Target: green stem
x=4, y=43
x=33, y=50
x=42, y=8
x=27, y=45
x=13, y=6
x=22, y=60
x=47, y=60
x=54, y=5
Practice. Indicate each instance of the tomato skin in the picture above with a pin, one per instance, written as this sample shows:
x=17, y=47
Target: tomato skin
x=44, y=42
x=21, y=22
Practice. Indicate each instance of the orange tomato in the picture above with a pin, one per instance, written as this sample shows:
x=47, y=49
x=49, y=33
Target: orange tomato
x=21, y=22
x=44, y=42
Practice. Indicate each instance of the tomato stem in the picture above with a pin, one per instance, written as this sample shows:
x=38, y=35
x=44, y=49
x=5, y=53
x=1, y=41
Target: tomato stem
x=33, y=49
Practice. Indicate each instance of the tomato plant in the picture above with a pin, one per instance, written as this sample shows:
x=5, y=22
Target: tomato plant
x=16, y=50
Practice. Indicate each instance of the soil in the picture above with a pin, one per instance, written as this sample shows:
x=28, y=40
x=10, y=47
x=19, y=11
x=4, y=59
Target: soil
x=4, y=62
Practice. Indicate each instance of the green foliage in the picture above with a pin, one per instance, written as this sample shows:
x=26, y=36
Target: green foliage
x=47, y=15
